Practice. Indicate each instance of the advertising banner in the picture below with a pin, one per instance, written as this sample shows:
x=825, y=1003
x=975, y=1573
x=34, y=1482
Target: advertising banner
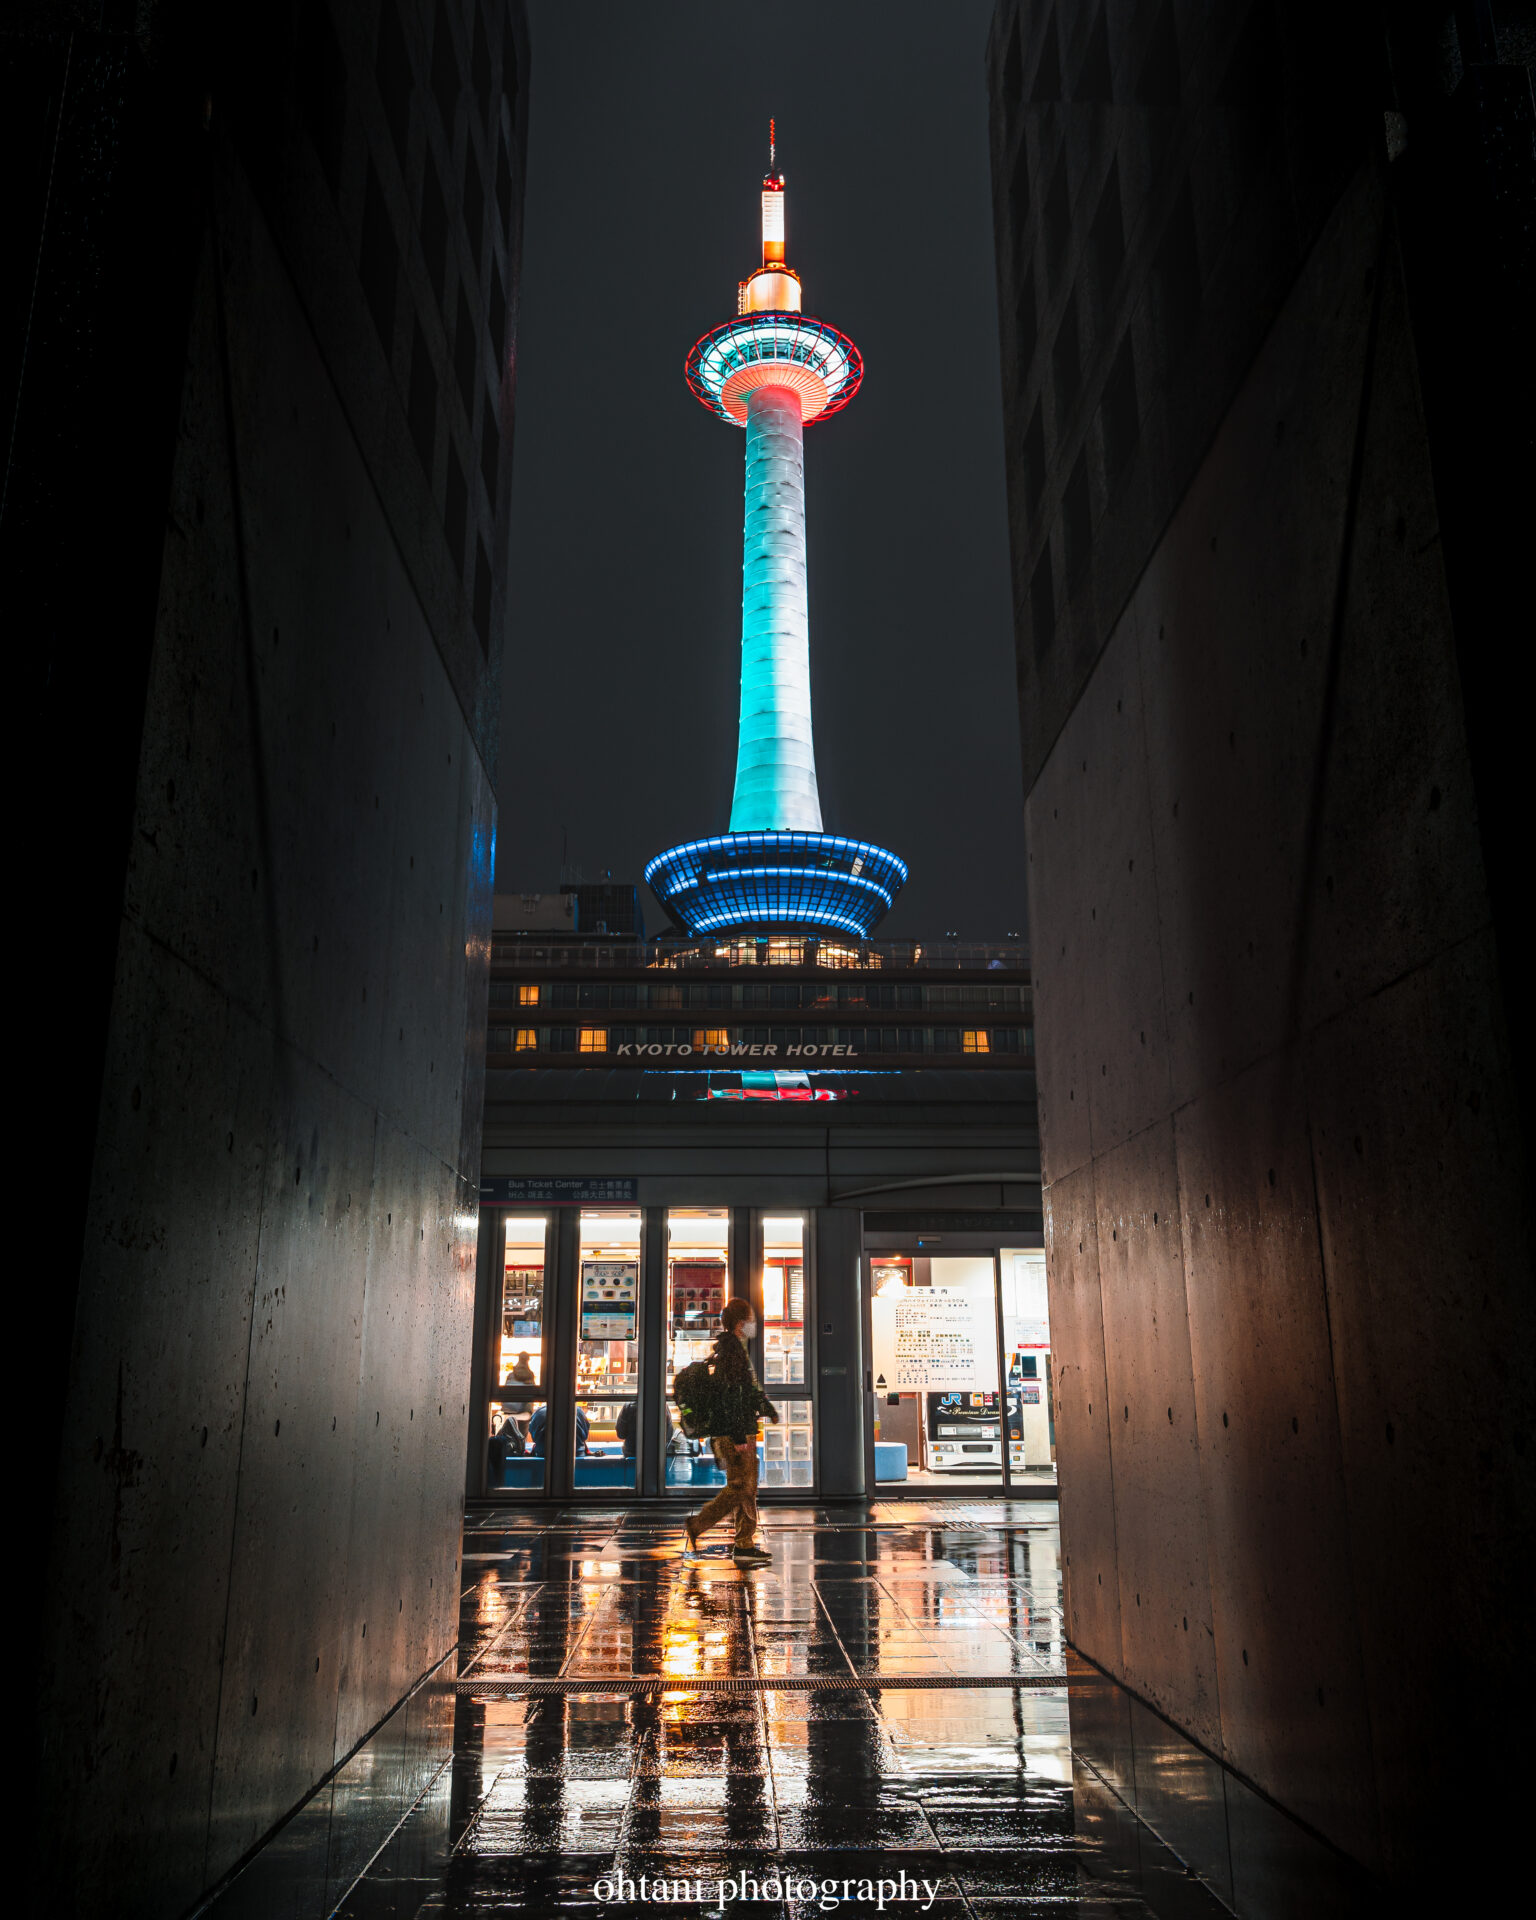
x=609, y=1290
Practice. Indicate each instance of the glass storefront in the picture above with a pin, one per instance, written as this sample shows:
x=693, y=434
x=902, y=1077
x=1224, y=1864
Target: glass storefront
x=960, y=1346
x=959, y=1394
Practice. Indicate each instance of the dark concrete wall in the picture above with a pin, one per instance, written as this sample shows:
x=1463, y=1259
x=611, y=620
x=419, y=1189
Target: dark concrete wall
x=264, y=1398
x=1282, y=1149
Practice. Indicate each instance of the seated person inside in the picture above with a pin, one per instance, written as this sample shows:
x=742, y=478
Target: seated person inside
x=537, y=1424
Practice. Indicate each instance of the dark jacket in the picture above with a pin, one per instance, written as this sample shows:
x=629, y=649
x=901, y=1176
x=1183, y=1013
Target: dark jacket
x=741, y=1402
x=541, y=1418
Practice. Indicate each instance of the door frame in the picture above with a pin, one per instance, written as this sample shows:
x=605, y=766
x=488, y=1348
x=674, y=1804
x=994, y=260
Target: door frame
x=916, y=1245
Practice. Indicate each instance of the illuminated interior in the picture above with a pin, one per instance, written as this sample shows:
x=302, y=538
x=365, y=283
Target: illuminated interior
x=784, y=1302
x=698, y=1268
x=1027, y=1352
x=608, y=1339
x=521, y=1386
x=788, y=1457
x=522, y=1299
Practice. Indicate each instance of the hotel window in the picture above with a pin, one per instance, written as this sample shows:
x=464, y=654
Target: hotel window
x=946, y=1040
x=975, y=1042
x=527, y=996
x=711, y=1037
x=593, y=1040
x=527, y=1039
x=1005, y=1039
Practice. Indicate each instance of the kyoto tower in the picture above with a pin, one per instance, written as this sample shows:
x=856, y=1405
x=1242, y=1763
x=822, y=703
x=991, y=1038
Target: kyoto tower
x=772, y=370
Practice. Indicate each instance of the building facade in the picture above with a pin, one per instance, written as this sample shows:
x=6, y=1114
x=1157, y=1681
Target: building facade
x=1262, y=531
x=823, y=1128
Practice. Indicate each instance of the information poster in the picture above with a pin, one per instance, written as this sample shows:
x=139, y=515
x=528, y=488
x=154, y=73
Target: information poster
x=609, y=1299
x=934, y=1340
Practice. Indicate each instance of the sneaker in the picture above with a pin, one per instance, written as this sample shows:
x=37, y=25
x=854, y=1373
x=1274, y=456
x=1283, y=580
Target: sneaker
x=751, y=1557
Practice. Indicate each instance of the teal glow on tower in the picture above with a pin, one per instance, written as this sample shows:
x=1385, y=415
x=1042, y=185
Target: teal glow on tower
x=772, y=370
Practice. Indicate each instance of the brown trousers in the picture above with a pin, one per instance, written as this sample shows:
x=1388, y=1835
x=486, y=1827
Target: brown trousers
x=739, y=1494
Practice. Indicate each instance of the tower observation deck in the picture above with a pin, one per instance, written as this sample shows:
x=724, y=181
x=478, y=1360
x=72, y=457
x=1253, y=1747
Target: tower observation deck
x=772, y=370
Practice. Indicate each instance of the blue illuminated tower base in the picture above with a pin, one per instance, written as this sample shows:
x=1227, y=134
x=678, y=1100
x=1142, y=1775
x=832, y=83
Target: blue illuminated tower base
x=777, y=881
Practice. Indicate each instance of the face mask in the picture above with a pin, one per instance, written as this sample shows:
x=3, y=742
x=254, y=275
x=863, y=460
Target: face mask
x=749, y=1329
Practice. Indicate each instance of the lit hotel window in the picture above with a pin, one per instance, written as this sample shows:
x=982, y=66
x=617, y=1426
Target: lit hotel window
x=711, y=1037
x=527, y=1039
x=593, y=1040
x=527, y=996
x=975, y=1042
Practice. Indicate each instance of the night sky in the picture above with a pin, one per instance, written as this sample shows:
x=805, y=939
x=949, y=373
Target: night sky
x=647, y=146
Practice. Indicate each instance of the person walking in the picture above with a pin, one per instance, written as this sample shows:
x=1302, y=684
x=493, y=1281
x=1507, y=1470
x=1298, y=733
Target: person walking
x=741, y=1405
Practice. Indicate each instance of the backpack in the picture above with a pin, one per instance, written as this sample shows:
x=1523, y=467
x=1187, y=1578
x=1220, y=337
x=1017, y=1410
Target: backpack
x=694, y=1392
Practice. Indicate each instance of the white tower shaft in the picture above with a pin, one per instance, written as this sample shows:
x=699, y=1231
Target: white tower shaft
x=775, y=755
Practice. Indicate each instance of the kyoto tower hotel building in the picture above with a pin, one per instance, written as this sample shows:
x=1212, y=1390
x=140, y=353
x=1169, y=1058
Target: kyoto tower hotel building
x=773, y=370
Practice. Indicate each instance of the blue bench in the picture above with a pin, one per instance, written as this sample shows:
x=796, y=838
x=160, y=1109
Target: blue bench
x=591, y=1470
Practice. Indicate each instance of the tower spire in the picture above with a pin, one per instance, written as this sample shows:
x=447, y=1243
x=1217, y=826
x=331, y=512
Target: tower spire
x=772, y=162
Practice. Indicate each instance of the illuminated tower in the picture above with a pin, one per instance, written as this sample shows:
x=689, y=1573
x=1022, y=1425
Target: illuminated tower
x=771, y=370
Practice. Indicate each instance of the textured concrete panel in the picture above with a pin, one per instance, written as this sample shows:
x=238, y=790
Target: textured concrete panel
x=1166, y=1636
x=1287, y=1642
x=1092, y=1581
x=297, y=1460
x=1411, y=1103
x=154, y=1436
x=1063, y=1014
x=1340, y=1139
x=1092, y=806
x=267, y=1398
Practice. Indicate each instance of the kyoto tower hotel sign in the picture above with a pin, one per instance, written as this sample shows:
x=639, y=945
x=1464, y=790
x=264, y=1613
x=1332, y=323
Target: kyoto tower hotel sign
x=772, y=370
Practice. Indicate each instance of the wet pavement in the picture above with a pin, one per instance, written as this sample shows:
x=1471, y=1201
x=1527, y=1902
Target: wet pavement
x=877, y=1720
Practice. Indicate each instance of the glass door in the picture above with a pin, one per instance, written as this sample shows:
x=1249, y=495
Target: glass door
x=788, y=1448
x=1027, y=1351
x=698, y=1285
x=939, y=1412
x=518, y=1398
x=607, y=1348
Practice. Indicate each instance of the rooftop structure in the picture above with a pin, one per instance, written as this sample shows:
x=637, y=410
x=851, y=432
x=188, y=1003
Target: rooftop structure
x=771, y=370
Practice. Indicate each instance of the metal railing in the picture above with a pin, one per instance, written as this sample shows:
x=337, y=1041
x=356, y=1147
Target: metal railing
x=528, y=953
